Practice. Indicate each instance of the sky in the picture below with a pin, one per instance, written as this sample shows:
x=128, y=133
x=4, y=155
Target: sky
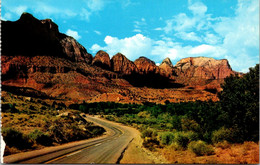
x=221, y=29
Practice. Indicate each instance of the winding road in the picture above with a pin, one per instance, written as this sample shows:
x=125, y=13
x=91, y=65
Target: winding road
x=105, y=149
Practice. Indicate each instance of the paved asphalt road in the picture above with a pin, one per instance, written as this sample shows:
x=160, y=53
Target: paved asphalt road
x=107, y=149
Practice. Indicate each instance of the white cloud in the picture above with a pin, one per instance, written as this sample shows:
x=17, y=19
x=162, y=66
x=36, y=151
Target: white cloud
x=48, y=11
x=97, y=32
x=197, y=8
x=133, y=47
x=211, y=38
x=158, y=29
x=95, y=5
x=19, y=10
x=208, y=51
x=241, y=35
x=138, y=25
x=137, y=30
x=191, y=36
x=73, y=34
x=7, y=16
x=85, y=14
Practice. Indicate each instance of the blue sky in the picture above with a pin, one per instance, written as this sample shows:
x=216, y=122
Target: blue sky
x=222, y=29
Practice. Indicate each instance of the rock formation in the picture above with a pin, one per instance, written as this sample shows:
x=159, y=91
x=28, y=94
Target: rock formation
x=167, y=67
x=102, y=60
x=120, y=64
x=146, y=66
x=202, y=72
x=204, y=67
x=33, y=37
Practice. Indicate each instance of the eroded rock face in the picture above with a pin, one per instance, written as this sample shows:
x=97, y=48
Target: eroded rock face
x=120, y=64
x=146, y=66
x=74, y=51
x=102, y=60
x=203, y=67
x=167, y=67
x=32, y=37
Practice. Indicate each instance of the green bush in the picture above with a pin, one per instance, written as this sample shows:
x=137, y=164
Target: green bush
x=192, y=136
x=166, y=138
x=174, y=146
x=15, y=138
x=224, y=144
x=181, y=139
x=222, y=134
x=200, y=148
x=149, y=133
x=38, y=136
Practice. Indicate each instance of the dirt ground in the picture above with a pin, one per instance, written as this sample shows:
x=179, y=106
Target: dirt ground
x=137, y=154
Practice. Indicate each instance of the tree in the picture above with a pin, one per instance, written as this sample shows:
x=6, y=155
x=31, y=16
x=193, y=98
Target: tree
x=240, y=102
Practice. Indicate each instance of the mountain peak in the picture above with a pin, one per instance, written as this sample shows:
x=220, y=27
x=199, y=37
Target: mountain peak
x=102, y=60
x=167, y=61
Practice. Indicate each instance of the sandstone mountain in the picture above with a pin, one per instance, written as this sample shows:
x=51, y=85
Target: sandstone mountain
x=102, y=60
x=146, y=66
x=36, y=56
x=120, y=64
x=30, y=37
x=167, y=67
x=202, y=71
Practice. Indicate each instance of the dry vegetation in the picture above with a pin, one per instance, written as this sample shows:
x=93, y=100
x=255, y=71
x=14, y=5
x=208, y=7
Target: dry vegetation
x=32, y=123
x=246, y=153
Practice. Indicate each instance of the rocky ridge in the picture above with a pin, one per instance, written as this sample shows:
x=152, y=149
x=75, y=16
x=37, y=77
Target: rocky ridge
x=56, y=64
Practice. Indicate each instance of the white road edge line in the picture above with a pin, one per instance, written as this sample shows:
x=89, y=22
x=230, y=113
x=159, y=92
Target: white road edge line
x=74, y=153
x=98, y=144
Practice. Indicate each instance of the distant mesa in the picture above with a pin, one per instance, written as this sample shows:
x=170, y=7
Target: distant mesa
x=204, y=67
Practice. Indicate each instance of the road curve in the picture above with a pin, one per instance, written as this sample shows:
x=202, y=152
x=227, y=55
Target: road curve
x=106, y=149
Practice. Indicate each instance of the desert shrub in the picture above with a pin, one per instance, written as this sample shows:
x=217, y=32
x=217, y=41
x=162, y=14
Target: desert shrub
x=224, y=144
x=109, y=117
x=200, y=148
x=96, y=130
x=192, y=136
x=38, y=136
x=149, y=133
x=222, y=134
x=15, y=138
x=150, y=143
x=189, y=125
x=174, y=146
x=144, y=114
x=166, y=138
x=181, y=139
